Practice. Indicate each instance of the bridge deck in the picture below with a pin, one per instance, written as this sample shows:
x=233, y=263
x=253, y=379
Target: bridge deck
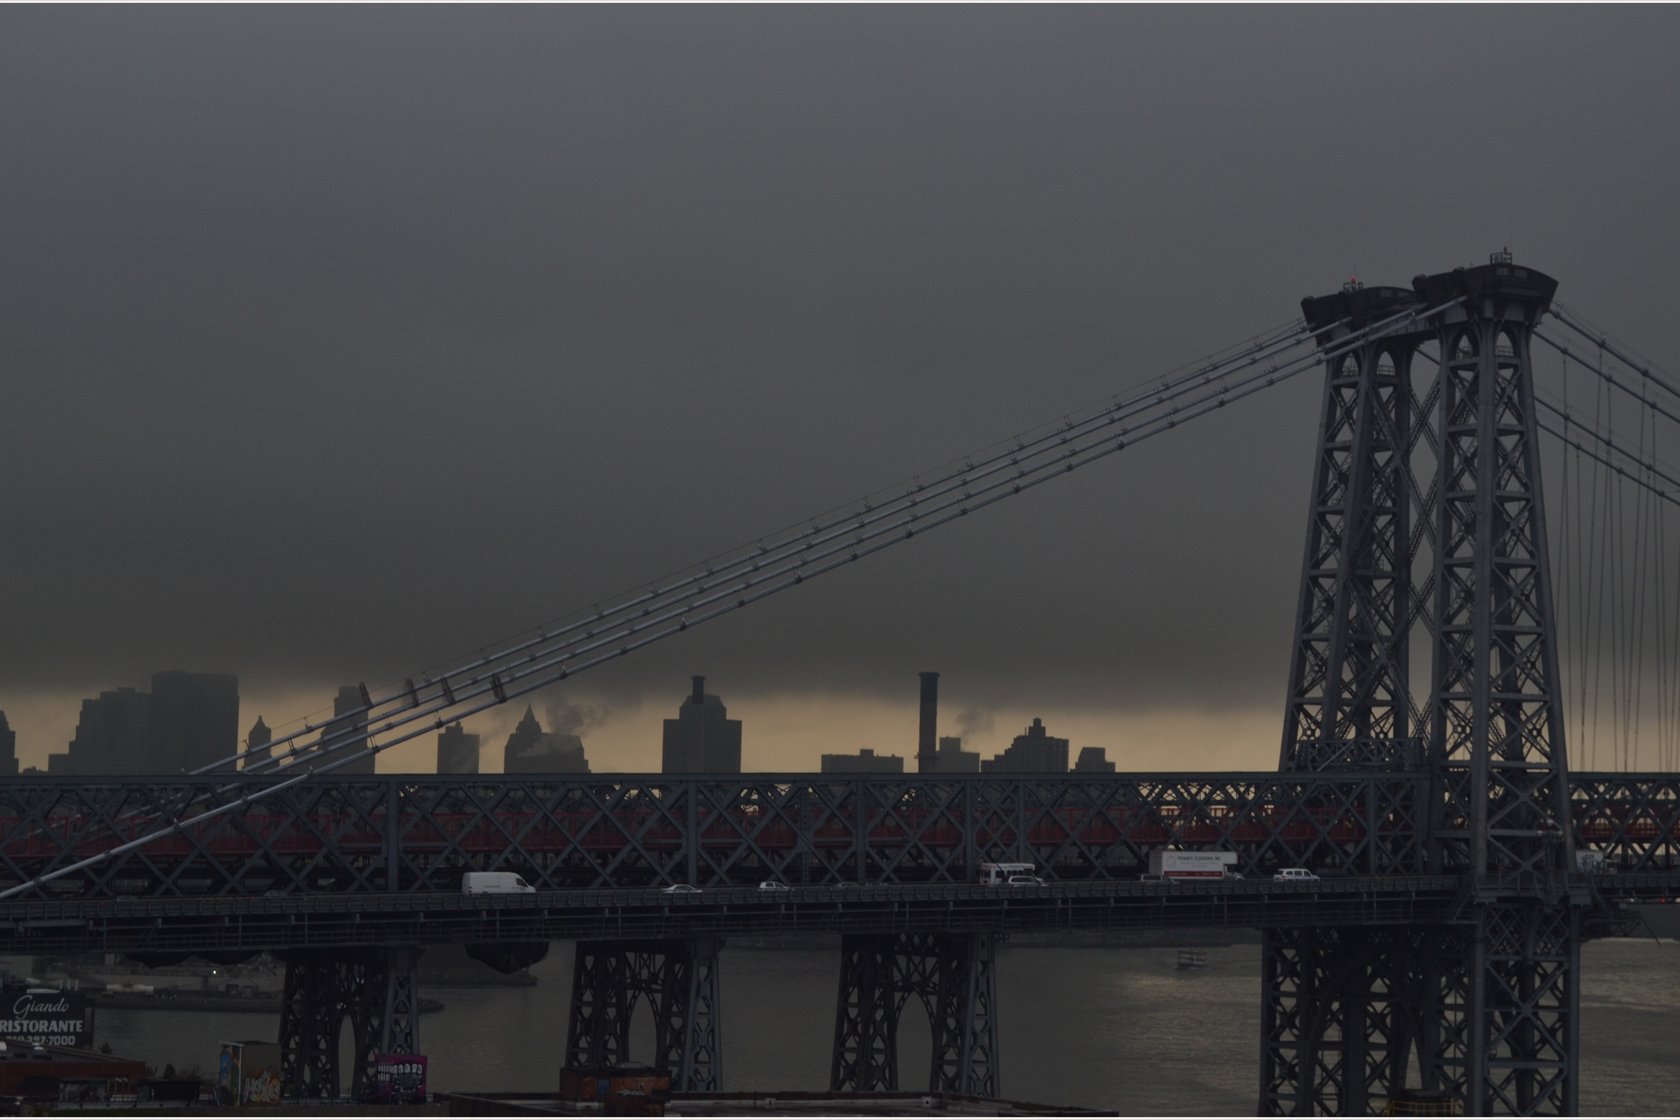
x=325, y=920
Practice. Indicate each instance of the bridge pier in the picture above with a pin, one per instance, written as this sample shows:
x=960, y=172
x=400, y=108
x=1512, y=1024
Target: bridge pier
x=679, y=981
x=1339, y=1016
x=1485, y=1013
x=955, y=978
x=375, y=988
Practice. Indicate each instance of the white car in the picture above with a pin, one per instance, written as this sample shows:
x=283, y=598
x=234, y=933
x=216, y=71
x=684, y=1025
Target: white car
x=681, y=888
x=771, y=885
x=1025, y=881
x=1294, y=875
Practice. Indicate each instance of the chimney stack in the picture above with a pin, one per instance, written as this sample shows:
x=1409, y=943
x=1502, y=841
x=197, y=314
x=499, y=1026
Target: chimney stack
x=927, y=747
x=699, y=690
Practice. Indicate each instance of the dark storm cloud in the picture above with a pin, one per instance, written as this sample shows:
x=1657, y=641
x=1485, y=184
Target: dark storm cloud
x=341, y=340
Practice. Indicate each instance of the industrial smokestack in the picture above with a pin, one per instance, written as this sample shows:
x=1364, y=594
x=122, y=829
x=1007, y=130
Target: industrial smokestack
x=927, y=746
x=699, y=690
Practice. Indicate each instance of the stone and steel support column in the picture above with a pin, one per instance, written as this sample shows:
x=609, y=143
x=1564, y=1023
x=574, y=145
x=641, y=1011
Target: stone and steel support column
x=312, y=1010
x=955, y=978
x=385, y=1014
x=866, y=1010
x=375, y=988
x=678, y=980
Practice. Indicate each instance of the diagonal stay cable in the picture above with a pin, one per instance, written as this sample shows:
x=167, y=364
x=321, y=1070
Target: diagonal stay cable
x=348, y=731
x=851, y=543
x=535, y=671
x=776, y=547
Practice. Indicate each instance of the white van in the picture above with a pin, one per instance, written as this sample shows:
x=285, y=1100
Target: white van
x=494, y=882
x=997, y=874
x=1294, y=875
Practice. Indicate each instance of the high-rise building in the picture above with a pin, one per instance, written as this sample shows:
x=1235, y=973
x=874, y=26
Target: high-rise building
x=347, y=732
x=8, y=748
x=702, y=739
x=928, y=728
x=866, y=761
x=112, y=736
x=1035, y=752
x=188, y=721
x=194, y=721
x=531, y=750
x=1093, y=760
x=457, y=751
x=950, y=758
x=258, y=753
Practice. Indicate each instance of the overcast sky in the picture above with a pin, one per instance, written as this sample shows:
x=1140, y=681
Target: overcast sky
x=338, y=341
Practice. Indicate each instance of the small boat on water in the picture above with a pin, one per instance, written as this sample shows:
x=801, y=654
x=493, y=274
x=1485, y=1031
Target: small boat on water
x=1192, y=958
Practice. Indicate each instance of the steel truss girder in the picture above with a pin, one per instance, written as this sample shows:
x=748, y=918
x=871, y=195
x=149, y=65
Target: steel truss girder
x=954, y=976
x=404, y=834
x=679, y=981
x=1632, y=819
x=401, y=834
x=375, y=988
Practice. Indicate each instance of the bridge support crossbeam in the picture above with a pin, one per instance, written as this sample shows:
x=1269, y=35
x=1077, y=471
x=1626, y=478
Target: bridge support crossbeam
x=955, y=978
x=678, y=980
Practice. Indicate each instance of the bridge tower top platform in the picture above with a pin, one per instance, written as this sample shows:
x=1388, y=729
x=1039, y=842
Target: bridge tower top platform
x=1500, y=289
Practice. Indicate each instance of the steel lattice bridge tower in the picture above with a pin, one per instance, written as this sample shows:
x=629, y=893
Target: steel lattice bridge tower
x=1486, y=1010
x=1422, y=763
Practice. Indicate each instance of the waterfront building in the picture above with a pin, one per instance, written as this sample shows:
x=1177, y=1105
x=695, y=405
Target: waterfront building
x=1035, y=751
x=531, y=750
x=457, y=751
x=702, y=739
x=8, y=749
x=866, y=761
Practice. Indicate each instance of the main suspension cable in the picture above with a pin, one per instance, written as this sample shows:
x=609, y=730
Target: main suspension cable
x=768, y=568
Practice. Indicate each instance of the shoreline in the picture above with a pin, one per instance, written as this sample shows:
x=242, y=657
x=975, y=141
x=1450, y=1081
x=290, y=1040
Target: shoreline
x=210, y=1001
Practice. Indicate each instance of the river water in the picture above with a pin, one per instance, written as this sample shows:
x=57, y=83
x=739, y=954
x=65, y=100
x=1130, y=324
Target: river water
x=1111, y=1028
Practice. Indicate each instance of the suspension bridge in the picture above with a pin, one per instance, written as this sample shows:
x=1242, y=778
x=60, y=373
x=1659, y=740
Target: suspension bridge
x=1462, y=862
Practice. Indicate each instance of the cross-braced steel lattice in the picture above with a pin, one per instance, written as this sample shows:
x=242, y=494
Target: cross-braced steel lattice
x=953, y=975
x=393, y=835
x=678, y=979
x=1334, y=1004
x=375, y=988
x=1484, y=1011
x=1349, y=705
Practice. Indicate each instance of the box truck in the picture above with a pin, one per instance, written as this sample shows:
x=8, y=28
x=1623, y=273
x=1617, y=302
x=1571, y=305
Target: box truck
x=1165, y=864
